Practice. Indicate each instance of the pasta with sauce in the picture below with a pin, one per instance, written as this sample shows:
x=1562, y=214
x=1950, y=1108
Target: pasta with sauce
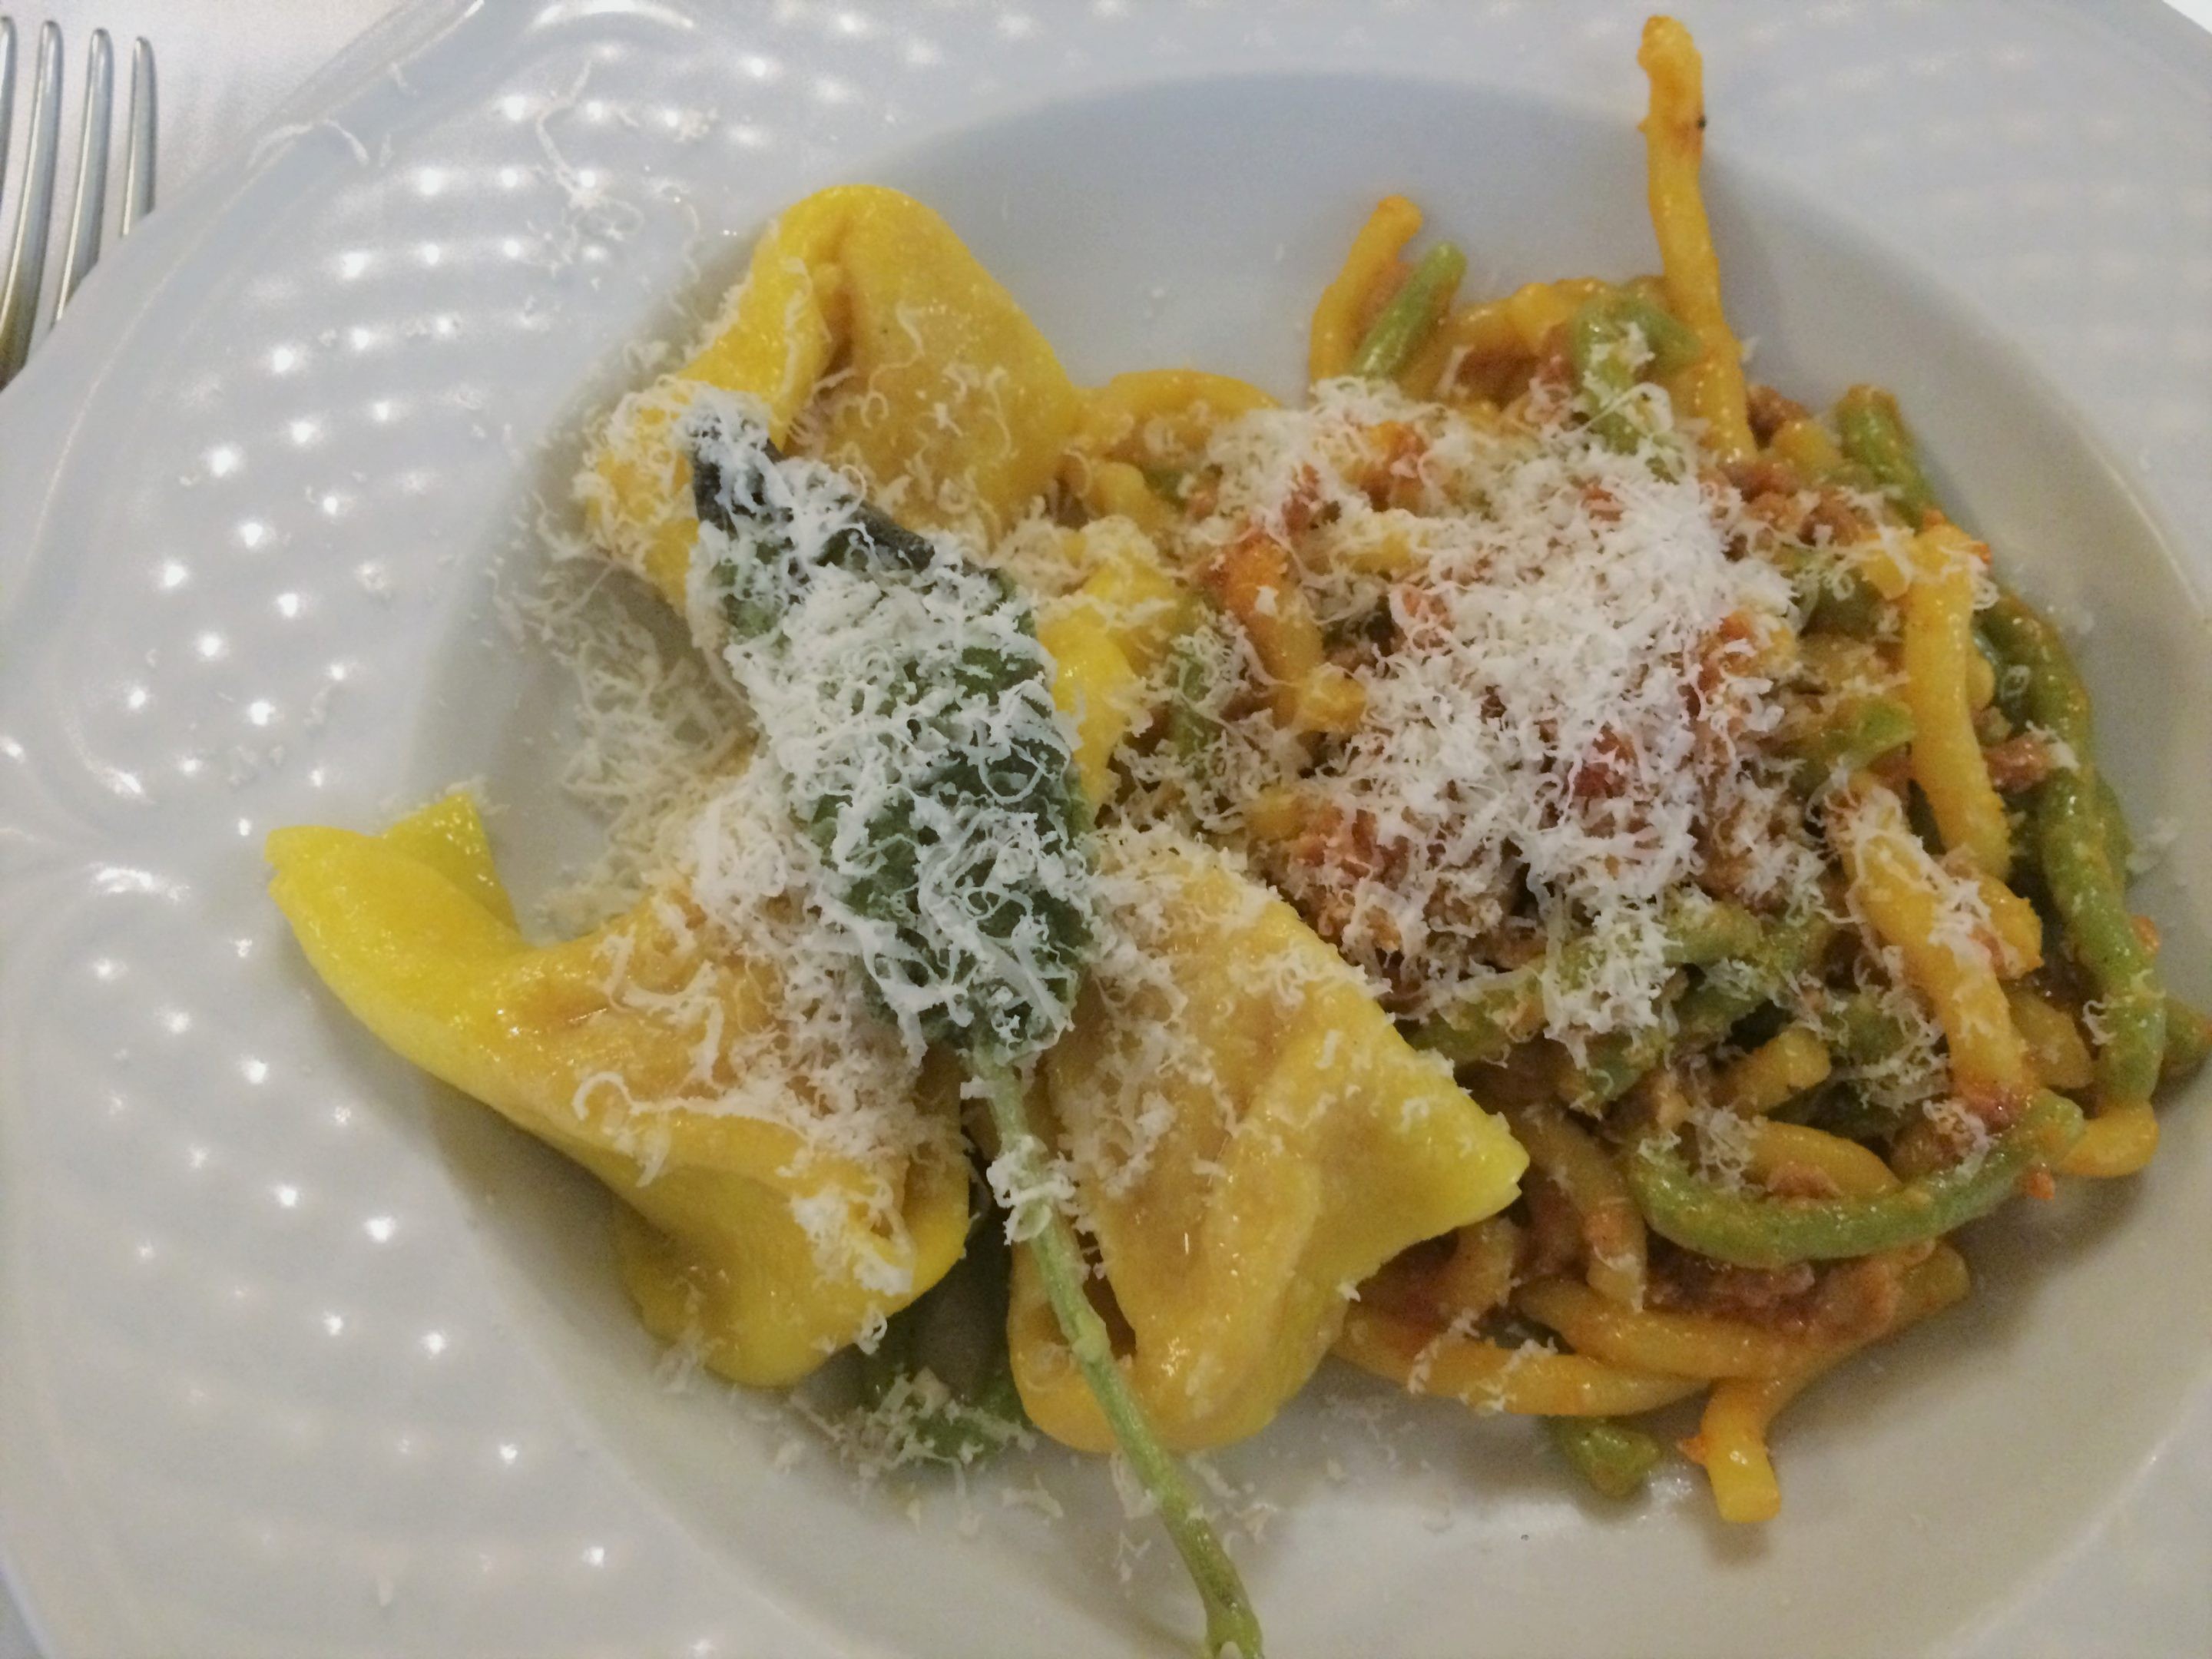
x=1544, y=869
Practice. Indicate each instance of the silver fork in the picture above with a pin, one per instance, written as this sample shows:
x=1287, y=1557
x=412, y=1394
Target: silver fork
x=34, y=212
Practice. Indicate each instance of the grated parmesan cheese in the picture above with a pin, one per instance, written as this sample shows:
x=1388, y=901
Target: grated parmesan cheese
x=657, y=732
x=770, y=1005
x=1723, y=1142
x=899, y=689
x=2153, y=844
x=1569, y=723
x=893, y=1434
x=1916, y=1071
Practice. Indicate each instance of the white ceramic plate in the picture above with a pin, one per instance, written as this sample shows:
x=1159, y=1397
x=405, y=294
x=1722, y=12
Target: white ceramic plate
x=299, y=1354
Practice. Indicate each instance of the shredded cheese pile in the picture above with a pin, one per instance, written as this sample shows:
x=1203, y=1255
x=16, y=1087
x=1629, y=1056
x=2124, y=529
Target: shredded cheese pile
x=1568, y=715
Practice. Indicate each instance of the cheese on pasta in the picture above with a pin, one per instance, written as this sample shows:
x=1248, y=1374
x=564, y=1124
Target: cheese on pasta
x=1571, y=708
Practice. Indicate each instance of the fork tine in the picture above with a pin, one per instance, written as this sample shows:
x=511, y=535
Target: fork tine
x=7, y=95
x=18, y=299
x=81, y=251
x=138, y=152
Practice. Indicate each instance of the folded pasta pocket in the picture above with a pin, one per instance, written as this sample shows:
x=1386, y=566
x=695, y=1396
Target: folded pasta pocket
x=1105, y=635
x=875, y=341
x=772, y=1206
x=1250, y=1137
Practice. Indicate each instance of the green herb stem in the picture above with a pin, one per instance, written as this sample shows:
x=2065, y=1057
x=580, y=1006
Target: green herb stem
x=1231, y=1626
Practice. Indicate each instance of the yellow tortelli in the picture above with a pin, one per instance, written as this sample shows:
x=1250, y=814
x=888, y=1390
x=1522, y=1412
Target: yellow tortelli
x=1311, y=1146
x=414, y=933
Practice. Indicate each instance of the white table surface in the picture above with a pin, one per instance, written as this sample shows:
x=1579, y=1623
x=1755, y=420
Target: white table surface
x=223, y=67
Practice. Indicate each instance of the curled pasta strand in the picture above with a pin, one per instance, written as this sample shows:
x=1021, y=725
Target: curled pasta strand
x=1339, y=317
x=1899, y=888
x=1712, y=388
x=1773, y=1150
x=1525, y=1382
x=1679, y=1344
x=1782, y=1066
x=1946, y=755
x=1730, y=1442
x=1591, y=1181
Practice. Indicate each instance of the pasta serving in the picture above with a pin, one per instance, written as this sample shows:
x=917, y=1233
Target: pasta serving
x=1546, y=871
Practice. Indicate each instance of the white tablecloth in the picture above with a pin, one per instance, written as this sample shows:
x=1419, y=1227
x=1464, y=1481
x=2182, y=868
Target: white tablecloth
x=223, y=66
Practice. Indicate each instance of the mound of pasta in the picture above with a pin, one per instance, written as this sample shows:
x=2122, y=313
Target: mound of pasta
x=1543, y=869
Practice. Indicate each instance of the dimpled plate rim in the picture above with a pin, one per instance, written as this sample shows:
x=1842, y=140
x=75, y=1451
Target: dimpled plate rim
x=298, y=1368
